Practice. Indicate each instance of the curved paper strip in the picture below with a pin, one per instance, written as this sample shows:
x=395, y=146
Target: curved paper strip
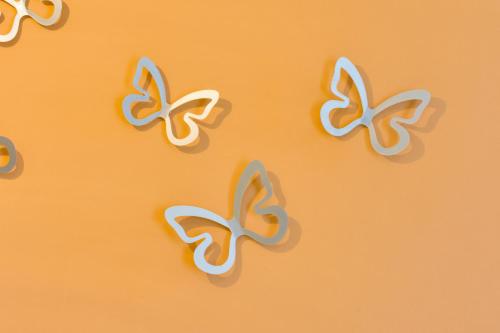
x=11, y=150
x=366, y=119
x=171, y=215
x=423, y=96
x=166, y=108
x=344, y=64
x=256, y=167
x=22, y=11
x=233, y=225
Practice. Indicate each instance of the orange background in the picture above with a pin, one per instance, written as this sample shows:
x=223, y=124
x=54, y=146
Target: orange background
x=405, y=244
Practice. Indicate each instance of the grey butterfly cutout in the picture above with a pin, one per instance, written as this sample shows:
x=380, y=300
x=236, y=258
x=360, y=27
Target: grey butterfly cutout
x=420, y=95
x=233, y=224
x=11, y=151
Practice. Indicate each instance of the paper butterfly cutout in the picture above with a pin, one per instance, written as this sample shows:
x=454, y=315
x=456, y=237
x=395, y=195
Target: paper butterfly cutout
x=166, y=108
x=22, y=11
x=369, y=113
x=11, y=150
x=233, y=224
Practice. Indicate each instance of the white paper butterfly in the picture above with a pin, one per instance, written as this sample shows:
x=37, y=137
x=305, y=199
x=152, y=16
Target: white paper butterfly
x=233, y=224
x=369, y=113
x=167, y=108
x=22, y=11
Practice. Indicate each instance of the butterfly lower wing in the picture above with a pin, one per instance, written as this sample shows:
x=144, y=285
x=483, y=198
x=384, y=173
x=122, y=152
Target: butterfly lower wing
x=418, y=95
x=56, y=14
x=211, y=95
x=128, y=103
x=256, y=168
x=171, y=215
x=343, y=64
x=11, y=151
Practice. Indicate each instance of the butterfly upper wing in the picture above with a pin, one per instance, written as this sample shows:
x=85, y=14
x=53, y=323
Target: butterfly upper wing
x=22, y=11
x=344, y=64
x=128, y=103
x=211, y=95
x=421, y=96
x=11, y=150
x=253, y=169
x=171, y=215
x=56, y=14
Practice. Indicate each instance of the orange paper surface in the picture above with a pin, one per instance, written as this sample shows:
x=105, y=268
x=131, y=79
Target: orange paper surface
x=402, y=244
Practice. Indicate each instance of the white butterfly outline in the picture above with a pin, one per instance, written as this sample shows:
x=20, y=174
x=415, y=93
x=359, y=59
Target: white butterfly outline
x=22, y=11
x=233, y=224
x=344, y=64
x=164, y=113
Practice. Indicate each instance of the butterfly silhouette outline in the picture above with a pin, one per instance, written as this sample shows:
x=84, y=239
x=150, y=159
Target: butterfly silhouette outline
x=22, y=11
x=255, y=168
x=368, y=113
x=166, y=108
x=11, y=151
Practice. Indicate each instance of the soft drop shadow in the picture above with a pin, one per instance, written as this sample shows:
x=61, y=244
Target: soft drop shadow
x=18, y=169
x=326, y=77
x=58, y=25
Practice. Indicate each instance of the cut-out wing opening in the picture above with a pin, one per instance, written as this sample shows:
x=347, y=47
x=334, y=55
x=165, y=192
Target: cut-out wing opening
x=333, y=110
x=420, y=98
x=208, y=98
x=132, y=102
x=256, y=170
x=51, y=19
x=205, y=239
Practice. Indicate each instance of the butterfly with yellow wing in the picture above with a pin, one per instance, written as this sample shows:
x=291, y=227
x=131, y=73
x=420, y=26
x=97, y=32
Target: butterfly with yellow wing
x=167, y=108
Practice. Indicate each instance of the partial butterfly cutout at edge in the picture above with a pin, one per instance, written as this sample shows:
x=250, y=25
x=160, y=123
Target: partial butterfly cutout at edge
x=11, y=151
x=166, y=108
x=233, y=224
x=368, y=113
x=22, y=11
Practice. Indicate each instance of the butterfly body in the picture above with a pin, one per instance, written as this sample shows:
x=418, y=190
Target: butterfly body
x=369, y=113
x=22, y=11
x=233, y=225
x=167, y=108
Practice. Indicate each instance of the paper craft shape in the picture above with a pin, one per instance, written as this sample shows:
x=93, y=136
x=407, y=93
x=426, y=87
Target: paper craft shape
x=22, y=11
x=166, y=108
x=233, y=224
x=366, y=119
x=11, y=150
